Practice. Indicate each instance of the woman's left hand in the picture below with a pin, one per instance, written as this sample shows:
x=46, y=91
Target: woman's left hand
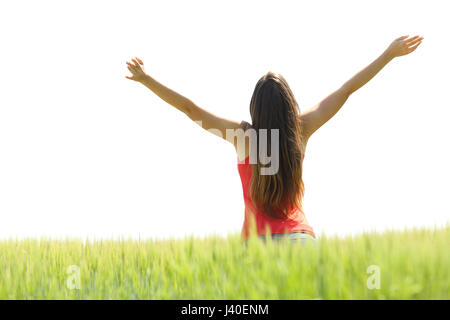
x=137, y=70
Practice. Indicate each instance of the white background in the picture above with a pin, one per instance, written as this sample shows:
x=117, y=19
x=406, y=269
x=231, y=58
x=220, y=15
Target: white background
x=85, y=152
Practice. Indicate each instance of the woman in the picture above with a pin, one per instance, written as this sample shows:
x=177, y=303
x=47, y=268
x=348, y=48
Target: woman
x=271, y=149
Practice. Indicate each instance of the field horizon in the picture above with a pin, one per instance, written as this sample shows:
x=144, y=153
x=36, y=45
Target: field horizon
x=409, y=264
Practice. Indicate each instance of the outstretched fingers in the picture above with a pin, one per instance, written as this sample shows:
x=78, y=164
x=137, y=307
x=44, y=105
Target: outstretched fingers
x=139, y=60
x=136, y=63
x=414, y=43
x=136, y=67
x=414, y=47
x=131, y=70
x=402, y=37
x=411, y=39
x=414, y=40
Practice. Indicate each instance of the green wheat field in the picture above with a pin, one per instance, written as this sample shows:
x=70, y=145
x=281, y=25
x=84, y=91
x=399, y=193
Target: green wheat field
x=410, y=264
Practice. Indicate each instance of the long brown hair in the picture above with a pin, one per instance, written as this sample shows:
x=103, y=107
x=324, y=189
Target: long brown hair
x=273, y=106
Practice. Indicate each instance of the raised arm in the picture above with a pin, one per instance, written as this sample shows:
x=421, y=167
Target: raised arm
x=207, y=120
x=313, y=118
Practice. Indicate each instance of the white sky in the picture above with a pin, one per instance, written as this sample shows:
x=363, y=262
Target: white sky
x=86, y=152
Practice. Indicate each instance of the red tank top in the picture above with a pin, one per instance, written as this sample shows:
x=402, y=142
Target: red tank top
x=296, y=223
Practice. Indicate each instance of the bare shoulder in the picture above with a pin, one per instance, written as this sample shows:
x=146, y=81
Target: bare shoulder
x=243, y=150
x=245, y=125
x=304, y=130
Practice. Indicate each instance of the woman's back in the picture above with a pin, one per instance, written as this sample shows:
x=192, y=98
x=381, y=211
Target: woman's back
x=295, y=223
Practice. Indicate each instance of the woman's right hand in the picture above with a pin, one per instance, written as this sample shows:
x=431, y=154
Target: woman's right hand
x=403, y=46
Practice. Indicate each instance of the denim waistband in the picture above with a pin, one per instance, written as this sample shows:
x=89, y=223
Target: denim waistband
x=290, y=235
x=301, y=237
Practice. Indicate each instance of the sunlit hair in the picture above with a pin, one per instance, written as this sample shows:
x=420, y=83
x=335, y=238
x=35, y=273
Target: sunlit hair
x=273, y=106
